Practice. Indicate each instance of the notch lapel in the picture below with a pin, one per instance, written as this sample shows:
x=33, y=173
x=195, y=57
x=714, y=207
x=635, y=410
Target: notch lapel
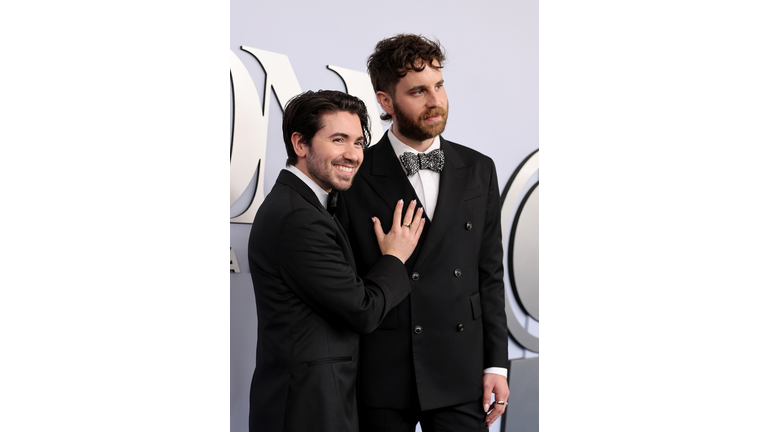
x=387, y=177
x=289, y=179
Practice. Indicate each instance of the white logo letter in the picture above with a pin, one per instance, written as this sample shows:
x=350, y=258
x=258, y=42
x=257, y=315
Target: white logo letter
x=249, y=133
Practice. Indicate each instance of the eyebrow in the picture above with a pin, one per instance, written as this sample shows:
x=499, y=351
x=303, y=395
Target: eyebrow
x=422, y=87
x=343, y=135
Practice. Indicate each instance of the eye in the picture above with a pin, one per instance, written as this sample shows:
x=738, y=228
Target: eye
x=418, y=92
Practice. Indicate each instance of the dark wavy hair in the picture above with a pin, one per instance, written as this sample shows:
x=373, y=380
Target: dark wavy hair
x=304, y=114
x=394, y=57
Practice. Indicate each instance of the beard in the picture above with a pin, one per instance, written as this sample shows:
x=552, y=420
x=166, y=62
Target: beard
x=416, y=128
x=325, y=174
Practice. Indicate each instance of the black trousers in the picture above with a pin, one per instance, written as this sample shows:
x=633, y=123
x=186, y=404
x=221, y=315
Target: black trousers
x=467, y=417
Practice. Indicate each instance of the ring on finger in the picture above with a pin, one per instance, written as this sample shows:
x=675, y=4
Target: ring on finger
x=407, y=224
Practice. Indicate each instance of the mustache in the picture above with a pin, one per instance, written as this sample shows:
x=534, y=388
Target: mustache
x=345, y=161
x=433, y=112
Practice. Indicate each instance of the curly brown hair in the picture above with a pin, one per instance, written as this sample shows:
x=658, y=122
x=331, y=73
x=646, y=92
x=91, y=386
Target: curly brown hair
x=394, y=57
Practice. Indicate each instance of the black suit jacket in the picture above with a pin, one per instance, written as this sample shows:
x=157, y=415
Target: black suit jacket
x=453, y=324
x=311, y=307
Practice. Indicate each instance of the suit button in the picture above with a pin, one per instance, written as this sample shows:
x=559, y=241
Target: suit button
x=417, y=330
x=469, y=225
x=457, y=272
x=415, y=276
x=460, y=327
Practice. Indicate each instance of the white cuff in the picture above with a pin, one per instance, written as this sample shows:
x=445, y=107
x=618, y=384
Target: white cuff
x=497, y=371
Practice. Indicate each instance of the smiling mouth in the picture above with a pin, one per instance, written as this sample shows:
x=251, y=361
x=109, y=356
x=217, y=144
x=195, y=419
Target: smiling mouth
x=344, y=169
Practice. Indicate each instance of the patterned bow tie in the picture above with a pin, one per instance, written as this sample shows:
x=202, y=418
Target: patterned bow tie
x=434, y=160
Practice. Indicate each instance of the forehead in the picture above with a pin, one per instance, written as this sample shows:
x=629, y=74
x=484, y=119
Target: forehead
x=341, y=122
x=428, y=76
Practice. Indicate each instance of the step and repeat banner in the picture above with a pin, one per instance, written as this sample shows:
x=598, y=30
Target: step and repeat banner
x=279, y=49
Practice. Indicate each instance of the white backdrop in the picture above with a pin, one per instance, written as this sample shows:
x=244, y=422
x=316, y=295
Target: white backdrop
x=491, y=78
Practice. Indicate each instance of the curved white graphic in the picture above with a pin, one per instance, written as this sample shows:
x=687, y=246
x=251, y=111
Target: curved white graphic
x=249, y=132
x=520, y=233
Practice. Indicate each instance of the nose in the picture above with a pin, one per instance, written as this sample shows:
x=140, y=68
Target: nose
x=353, y=153
x=434, y=100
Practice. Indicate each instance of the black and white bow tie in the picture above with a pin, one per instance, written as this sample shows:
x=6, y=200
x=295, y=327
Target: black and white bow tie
x=434, y=160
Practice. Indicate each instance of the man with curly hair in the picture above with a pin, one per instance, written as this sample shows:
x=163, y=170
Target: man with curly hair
x=437, y=357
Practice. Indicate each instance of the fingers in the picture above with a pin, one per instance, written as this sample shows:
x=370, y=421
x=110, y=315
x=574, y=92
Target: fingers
x=411, y=220
x=486, y=398
x=498, y=410
x=493, y=416
x=409, y=214
x=496, y=384
x=418, y=224
x=503, y=395
x=377, y=229
x=398, y=212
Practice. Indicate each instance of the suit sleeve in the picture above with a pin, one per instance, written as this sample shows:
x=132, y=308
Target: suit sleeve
x=313, y=265
x=491, y=274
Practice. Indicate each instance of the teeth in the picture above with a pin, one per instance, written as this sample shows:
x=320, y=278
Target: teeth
x=343, y=168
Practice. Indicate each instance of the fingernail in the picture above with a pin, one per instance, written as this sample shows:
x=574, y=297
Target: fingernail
x=413, y=201
x=373, y=219
x=401, y=201
x=486, y=407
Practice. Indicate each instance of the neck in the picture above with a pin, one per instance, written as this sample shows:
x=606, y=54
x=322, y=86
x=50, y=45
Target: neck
x=419, y=146
x=301, y=165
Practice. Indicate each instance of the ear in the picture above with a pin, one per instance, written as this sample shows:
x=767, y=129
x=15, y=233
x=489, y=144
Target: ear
x=299, y=147
x=386, y=102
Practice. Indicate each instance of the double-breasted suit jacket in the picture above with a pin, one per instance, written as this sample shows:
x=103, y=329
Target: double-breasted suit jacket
x=453, y=325
x=311, y=308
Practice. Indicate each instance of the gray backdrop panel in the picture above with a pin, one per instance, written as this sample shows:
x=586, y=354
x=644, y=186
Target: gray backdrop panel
x=522, y=413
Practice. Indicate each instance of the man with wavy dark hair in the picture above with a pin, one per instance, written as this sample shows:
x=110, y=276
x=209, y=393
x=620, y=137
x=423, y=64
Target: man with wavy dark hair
x=440, y=355
x=310, y=302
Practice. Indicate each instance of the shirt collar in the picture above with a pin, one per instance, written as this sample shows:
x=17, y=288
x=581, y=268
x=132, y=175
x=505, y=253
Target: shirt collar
x=322, y=195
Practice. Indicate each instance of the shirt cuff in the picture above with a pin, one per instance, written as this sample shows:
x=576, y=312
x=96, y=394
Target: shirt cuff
x=497, y=371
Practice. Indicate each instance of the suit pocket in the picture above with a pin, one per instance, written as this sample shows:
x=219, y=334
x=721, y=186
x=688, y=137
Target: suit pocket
x=477, y=310
x=473, y=193
x=328, y=360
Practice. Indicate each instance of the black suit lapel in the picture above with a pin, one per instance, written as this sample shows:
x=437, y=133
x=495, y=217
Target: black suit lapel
x=388, y=180
x=454, y=180
x=387, y=177
x=289, y=179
